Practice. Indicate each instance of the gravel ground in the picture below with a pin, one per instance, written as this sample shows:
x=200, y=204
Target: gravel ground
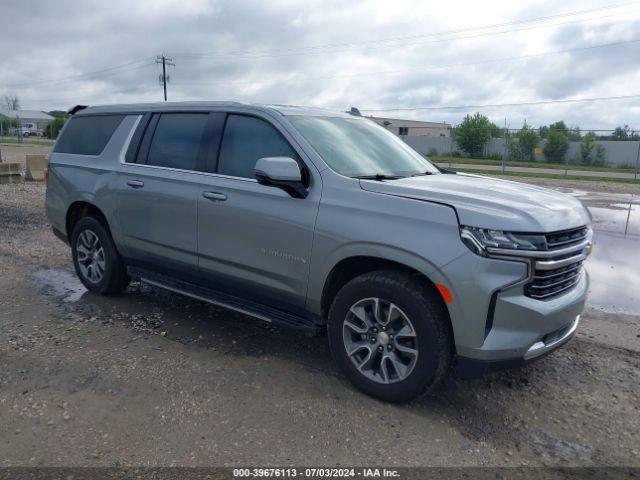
x=150, y=378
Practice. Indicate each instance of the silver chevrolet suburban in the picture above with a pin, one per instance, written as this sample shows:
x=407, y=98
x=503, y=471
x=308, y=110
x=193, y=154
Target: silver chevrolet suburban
x=319, y=220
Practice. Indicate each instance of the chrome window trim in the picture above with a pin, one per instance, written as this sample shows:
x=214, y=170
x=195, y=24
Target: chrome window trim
x=193, y=172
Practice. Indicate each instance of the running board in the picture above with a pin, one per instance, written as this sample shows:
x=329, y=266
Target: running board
x=247, y=307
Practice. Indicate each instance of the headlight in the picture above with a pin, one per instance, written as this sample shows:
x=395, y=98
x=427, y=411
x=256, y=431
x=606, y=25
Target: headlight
x=481, y=240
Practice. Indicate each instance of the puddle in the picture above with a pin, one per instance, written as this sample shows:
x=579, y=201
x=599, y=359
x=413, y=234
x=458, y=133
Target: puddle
x=614, y=271
x=612, y=212
x=617, y=220
x=60, y=283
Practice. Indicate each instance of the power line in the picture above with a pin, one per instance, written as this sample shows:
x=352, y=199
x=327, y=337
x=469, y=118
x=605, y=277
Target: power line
x=496, y=105
x=106, y=71
x=322, y=49
x=438, y=66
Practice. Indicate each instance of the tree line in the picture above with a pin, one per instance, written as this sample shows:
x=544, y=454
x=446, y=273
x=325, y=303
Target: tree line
x=474, y=132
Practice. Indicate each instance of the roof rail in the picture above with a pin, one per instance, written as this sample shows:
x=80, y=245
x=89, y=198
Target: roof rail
x=76, y=109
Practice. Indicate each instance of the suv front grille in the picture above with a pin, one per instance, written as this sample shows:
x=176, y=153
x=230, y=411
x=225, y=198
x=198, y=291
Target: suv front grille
x=566, y=238
x=547, y=283
x=558, y=274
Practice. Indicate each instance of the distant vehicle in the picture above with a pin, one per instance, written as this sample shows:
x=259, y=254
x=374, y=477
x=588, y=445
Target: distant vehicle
x=317, y=220
x=31, y=130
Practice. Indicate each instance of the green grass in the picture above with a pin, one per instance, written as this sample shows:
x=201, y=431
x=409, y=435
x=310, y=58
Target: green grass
x=555, y=166
x=549, y=175
x=26, y=141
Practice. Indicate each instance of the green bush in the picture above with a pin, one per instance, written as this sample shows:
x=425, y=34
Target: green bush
x=601, y=154
x=7, y=124
x=590, y=152
x=523, y=143
x=53, y=127
x=473, y=134
x=556, y=147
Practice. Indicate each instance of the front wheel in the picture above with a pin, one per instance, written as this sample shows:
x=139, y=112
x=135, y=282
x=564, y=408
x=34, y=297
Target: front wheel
x=388, y=333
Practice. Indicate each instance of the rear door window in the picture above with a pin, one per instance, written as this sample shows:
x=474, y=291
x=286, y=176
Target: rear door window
x=246, y=140
x=176, y=141
x=87, y=135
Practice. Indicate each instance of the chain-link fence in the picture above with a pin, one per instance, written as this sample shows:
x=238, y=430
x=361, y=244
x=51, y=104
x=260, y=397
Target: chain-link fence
x=593, y=149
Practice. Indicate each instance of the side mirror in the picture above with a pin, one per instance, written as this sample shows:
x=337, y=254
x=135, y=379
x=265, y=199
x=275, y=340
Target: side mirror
x=281, y=172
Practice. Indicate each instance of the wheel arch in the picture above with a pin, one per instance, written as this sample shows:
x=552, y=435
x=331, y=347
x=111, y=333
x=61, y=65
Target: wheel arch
x=80, y=209
x=351, y=267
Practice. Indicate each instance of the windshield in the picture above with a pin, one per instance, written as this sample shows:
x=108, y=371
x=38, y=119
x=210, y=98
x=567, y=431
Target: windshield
x=357, y=147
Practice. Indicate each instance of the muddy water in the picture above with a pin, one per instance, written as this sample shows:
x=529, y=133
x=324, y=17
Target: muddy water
x=60, y=283
x=614, y=266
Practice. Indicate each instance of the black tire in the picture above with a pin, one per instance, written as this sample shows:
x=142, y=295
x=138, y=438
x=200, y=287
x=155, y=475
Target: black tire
x=114, y=278
x=428, y=316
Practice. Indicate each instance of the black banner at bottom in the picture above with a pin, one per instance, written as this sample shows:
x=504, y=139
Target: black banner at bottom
x=315, y=473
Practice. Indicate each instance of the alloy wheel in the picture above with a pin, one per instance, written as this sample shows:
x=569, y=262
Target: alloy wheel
x=90, y=256
x=380, y=340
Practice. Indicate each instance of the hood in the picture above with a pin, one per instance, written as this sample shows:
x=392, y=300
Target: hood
x=490, y=203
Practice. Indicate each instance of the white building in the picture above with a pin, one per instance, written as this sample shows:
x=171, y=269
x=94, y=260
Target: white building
x=415, y=128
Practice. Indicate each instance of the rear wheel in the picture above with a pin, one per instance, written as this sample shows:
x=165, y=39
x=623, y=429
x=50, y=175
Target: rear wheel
x=96, y=259
x=388, y=334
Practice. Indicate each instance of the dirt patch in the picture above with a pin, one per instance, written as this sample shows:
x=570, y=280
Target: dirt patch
x=18, y=152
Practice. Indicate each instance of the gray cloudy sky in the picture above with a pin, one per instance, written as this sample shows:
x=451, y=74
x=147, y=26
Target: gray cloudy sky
x=333, y=54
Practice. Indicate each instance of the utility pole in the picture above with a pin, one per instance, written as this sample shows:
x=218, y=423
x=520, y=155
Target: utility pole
x=164, y=79
x=506, y=145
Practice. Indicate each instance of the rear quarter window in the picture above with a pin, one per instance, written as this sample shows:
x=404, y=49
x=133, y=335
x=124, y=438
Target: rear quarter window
x=87, y=135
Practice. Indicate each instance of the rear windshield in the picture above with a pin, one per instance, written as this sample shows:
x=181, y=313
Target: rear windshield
x=87, y=135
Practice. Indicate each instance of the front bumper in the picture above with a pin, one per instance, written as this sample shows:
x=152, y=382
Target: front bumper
x=467, y=367
x=491, y=316
x=526, y=328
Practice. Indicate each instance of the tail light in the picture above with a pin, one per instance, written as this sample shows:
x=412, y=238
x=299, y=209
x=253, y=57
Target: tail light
x=46, y=175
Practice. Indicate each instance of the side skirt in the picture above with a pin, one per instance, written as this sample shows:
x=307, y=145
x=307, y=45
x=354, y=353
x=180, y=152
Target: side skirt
x=247, y=307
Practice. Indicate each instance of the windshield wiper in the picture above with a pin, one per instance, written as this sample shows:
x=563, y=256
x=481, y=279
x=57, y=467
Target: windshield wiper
x=420, y=174
x=378, y=176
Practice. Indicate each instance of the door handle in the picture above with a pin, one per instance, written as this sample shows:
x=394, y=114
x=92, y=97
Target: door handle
x=135, y=183
x=215, y=196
